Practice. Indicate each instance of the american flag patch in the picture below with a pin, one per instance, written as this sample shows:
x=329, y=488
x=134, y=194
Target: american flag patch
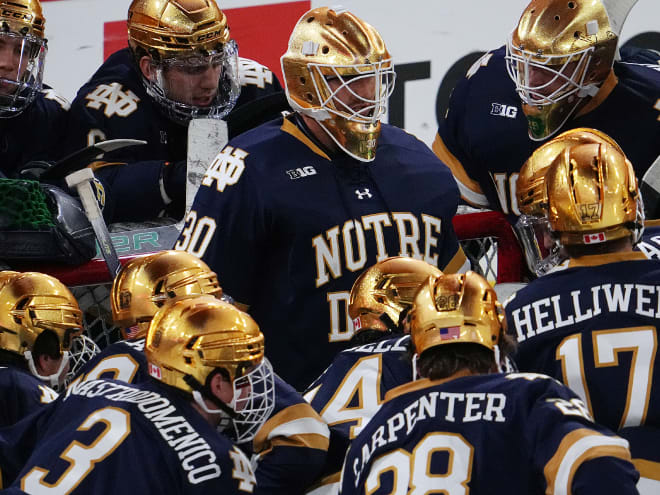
x=132, y=332
x=450, y=333
x=155, y=371
x=594, y=238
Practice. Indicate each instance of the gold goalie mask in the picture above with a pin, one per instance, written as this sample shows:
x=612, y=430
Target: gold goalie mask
x=334, y=58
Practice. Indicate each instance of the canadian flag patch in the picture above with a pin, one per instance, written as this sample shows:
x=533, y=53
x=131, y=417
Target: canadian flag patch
x=357, y=324
x=594, y=238
x=155, y=371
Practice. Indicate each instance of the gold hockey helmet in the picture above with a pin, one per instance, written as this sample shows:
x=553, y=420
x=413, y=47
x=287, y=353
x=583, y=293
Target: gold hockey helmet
x=558, y=55
x=456, y=308
x=593, y=196
x=146, y=283
x=32, y=302
x=384, y=290
x=333, y=44
x=22, y=29
x=192, y=37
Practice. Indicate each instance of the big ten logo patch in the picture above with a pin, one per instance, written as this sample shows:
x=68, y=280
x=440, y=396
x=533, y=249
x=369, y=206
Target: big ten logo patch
x=226, y=168
x=503, y=110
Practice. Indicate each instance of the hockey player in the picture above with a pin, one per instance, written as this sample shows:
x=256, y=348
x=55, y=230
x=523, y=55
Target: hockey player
x=290, y=448
x=362, y=374
x=462, y=427
x=181, y=64
x=291, y=212
x=32, y=117
x=39, y=317
x=208, y=376
x=562, y=57
x=593, y=324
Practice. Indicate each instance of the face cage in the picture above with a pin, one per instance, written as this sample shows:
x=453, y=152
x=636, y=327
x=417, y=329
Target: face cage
x=229, y=86
x=253, y=410
x=19, y=89
x=370, y=111
x=82, y=350
x=518, y=63
x=533, y=232
x=640, y=218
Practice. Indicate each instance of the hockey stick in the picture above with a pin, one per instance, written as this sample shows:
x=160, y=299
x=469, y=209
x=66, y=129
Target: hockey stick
x=83, y=157
x=650, y=189
x=81, y=180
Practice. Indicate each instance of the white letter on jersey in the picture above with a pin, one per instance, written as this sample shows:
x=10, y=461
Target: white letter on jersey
x=338, y=307
x=327, y=256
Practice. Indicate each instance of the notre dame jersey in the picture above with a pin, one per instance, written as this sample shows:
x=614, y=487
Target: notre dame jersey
x=114, y=104
x=352, y=388
x=593, y=325
x=290, y=448
x=21, y=394
x=35, y=134
x=484, y=137
x=650, y=242
x=518, y=434
x=123, y=360
x=288, y=229
x=106, y=436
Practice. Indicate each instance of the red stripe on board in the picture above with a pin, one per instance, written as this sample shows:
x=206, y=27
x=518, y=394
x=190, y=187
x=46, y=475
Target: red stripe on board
x=262, y=32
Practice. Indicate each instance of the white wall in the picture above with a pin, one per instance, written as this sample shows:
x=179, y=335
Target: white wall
x=439, y=31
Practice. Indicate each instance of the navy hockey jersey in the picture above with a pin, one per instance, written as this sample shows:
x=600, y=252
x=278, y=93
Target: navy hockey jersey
x=106, y=436
x=21, y=393
x=290, y=448
x=484, y=137
x=593, y=325
x=36, y=134
x=288, y=229
x=114, y=104
x=650, y=242
x=352, y=389
x=123, y=360
x=517, y=434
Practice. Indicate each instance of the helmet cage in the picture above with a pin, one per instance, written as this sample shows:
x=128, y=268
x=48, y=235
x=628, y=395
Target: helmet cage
x=20, y=87
x=227, y=93
x=256, y=406
x=370, y=110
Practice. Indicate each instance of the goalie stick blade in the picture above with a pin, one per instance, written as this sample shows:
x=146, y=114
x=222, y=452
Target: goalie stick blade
x=81, y=158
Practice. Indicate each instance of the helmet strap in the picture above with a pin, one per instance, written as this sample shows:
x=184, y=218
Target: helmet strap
x=53, y=380
x=202, y=392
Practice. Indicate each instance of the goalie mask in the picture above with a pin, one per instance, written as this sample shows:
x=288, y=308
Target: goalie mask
x=457, y=308
x=190, y=339
x=146, y=283
x=382, y=292
x=542, y=252
x=593, y=196
x=32, y=303
x=191, y=68
x=338, y=71
x=560, y=54
x=22, y=54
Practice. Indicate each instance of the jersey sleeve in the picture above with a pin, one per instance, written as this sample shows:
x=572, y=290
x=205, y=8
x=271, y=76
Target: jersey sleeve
x=227, y=226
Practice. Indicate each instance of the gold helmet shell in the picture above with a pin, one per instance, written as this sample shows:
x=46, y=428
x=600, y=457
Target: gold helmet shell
x=145, y=283
x=530, y=185
x=456, y=308
x=32, y=302
x=192, y=337
x=23, y=17
x=574, y=44
x=169, y=28
x=386, y=288
x=331, y=43
x=592, y=195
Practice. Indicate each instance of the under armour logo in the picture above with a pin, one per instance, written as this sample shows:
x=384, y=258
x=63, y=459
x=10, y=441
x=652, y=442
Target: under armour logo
x=363, y=194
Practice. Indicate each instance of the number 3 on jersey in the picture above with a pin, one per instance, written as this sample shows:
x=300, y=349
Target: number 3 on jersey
x=196, y=234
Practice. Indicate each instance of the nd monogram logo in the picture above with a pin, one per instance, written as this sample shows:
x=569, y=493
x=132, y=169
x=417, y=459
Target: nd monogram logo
x=253, y=73
x=226, y=169
x=363, y=194
x=116, y=101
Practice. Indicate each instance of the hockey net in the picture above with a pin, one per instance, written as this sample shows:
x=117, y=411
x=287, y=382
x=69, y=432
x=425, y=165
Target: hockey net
x=486, y=237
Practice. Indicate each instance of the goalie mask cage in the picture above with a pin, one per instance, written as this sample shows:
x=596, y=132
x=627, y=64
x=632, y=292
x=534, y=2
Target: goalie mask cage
x=486, y=237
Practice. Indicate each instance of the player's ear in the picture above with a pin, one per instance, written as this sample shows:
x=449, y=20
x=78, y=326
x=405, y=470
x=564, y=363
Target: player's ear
x=147, y=68
x=221, y=387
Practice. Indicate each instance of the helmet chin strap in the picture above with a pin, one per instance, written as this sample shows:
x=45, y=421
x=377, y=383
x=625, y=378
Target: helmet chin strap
x=55, y=379
x=200, y=393
x=415, y=376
